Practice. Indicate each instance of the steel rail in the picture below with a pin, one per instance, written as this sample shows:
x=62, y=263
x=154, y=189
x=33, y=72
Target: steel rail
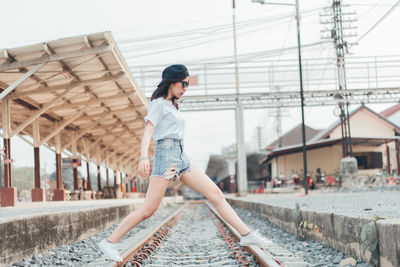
x=127, y=255
x=263, y=257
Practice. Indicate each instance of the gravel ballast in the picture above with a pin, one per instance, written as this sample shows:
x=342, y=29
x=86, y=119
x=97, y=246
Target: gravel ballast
x=86, y=251
x=315, y=253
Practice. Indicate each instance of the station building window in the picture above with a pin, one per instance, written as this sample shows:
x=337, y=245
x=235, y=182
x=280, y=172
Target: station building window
x=369, y=160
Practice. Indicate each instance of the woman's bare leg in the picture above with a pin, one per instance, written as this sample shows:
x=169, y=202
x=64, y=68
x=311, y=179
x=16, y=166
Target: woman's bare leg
x=197, y=180
x=154, y=195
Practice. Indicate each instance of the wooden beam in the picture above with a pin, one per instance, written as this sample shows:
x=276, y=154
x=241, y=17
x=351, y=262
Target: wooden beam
x=125, y=67
x=6, y=124
x=50, y=58
x=92, y=101
x=82, y=132
x=57, y=141
x=36, y=132
x=63, y=124
x=14, y=85
x=113, y=127
x=110, y=144
x=106, y=114
x=112, y=154
x=39, y=112
x=71, y=85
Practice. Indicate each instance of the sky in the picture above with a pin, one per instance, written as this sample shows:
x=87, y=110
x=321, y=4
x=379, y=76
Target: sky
x=163, y=32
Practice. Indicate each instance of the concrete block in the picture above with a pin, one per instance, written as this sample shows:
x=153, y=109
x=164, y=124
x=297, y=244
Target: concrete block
x=86, y=195
x=99, y=195
x=389, y=242
x=38, y=194
x=22, y=238
x=59, y=195
x=338, y=231
x=75, y=195
x=8, y=196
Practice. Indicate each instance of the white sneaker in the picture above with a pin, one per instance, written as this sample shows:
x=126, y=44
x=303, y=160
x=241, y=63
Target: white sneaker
x=255, y=239
x=110, y=250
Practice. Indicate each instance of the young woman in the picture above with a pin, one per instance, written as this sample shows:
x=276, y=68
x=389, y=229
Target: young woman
x=166, y=124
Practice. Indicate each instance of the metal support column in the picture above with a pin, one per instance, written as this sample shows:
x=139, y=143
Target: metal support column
x=108, y=177
x=99, y=187
x=7, y=163
x=75, y=171
x=59, y=192
x=115, y=178
x=89, y=184
x=241, y=174
x=397, y=144
x=303, y=127
x=38, y=193
x=241, y=152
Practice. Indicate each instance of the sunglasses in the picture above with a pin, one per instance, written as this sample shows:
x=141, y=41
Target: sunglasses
x=185, y=84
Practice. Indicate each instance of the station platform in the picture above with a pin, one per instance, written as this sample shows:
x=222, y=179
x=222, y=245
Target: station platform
x=364, y=224
x=31, y=228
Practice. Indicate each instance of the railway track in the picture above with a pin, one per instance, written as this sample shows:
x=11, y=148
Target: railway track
x=195, y=235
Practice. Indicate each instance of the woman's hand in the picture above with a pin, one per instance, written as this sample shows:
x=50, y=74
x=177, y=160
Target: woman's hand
x=144, y=168
x=144, y=164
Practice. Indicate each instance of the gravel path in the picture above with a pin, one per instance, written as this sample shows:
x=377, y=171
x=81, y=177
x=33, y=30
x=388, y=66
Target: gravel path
x=86, y=251
x=315, y=253
x=366, y=204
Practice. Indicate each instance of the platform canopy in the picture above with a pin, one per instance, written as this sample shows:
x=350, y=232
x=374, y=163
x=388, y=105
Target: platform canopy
x=74, y=94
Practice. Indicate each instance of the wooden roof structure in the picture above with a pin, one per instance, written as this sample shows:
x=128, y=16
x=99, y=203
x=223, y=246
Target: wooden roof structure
x=74, y=94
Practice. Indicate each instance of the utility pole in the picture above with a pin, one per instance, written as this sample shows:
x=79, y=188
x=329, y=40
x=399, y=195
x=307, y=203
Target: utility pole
x=278, y=120
x=339, y=24
x=241, y=174
x=303, y=127
x=259, y=138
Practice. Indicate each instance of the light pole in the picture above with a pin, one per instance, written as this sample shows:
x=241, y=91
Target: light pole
x=240, y=144
x=303, y=127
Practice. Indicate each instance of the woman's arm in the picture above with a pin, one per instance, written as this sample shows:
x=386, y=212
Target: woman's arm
x=144, y=164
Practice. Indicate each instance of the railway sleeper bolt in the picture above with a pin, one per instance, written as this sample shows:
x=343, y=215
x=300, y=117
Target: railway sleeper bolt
x=243, y=260
x=148, y=250
x=236, y=249
x=136, y=263
x=142, y=256
x=151, y=248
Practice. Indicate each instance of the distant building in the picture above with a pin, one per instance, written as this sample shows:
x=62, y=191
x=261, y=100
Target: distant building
x=222, y=170
x=375, y=141
x=392, y=114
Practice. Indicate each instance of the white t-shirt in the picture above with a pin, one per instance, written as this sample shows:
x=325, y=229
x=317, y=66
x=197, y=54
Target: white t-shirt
x=167, y=120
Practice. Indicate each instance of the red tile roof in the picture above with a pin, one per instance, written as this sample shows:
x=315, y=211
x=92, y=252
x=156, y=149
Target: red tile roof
x=294, y=137
x=390, y=111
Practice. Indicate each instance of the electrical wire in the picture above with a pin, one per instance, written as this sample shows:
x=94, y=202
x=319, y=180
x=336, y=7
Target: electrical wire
x=379, y=21
x=186, y=43
x=211, y=29
x=228, y=30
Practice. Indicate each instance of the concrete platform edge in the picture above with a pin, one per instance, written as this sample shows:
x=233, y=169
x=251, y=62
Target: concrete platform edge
x=338, y=231
x=25, y=237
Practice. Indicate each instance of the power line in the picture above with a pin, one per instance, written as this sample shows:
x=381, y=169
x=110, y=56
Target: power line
x=220, y=30
x=210, y=29
x=198, y=42
x=379, y=21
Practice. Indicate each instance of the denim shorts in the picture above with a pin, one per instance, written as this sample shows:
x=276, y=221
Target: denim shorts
x=170, y=160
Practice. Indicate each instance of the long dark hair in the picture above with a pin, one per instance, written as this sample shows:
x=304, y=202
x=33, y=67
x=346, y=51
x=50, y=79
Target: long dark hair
x=162, y=91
